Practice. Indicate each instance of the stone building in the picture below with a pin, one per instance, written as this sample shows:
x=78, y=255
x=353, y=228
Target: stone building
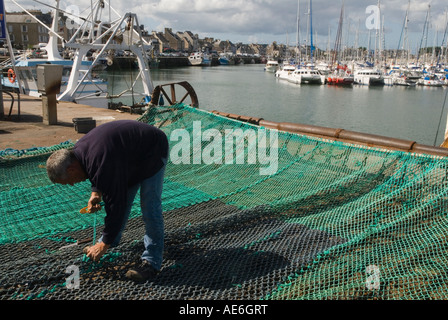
x=190, y=41
x=160, y=40
x=24, y=31
x=175, y=43
x=224, y=46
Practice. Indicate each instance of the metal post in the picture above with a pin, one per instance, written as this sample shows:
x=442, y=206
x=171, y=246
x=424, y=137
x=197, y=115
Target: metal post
x=49, y=109
x=49, y=84
x=2, y=107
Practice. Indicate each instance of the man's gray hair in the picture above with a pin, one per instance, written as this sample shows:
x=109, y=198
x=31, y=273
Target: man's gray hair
x=58, y=163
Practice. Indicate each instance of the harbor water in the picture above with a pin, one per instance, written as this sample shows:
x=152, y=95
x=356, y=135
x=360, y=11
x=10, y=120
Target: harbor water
x=413, y=113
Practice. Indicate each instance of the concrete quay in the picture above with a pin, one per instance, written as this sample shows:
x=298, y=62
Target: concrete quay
x=27, y=130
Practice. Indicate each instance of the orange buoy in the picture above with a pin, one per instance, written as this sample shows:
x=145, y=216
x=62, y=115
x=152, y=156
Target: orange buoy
x=11, y=76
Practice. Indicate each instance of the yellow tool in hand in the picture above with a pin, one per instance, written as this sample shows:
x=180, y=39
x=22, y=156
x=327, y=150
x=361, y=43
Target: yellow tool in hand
x=86, y=209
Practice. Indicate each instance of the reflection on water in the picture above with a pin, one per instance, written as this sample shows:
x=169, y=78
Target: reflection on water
x=402, y=112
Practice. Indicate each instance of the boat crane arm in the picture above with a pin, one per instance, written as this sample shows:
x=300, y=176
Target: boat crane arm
x=135, y=44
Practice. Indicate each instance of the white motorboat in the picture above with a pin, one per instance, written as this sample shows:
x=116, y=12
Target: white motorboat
x=271, y=66
x=306, y=76
x=430, y=81
x=284, y=72
x=400, y=78
x=369, y=77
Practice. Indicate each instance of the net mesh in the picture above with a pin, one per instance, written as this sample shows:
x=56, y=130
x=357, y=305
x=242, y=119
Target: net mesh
x=333, y=221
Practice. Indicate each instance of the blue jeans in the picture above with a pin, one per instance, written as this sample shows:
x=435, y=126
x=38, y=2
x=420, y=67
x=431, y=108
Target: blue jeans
x=151, y=206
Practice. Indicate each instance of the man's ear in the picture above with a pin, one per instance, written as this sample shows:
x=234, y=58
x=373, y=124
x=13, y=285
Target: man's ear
x=76, y=170
x=72, y=167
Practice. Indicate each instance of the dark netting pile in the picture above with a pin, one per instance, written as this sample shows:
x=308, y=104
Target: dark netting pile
x=328, y=220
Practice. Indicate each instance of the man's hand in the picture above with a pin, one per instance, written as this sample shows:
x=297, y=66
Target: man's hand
x=94, y=202
x=97, y=251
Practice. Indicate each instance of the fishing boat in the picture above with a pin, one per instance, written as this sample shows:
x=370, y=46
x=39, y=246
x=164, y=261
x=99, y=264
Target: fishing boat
x=195, y=58
x=199, y=59
x=206, y=60
x=79, y=83
x=91, y=91
x=225, y=59
x=22, y=72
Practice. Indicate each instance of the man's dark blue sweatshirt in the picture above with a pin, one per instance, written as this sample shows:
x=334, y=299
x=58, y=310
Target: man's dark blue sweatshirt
x=118, y=155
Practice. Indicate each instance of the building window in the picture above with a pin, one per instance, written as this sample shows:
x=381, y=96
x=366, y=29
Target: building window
x=24, y=28
x=24, y=37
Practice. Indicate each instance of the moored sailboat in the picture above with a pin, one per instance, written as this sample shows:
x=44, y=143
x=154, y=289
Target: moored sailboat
x=341, y=76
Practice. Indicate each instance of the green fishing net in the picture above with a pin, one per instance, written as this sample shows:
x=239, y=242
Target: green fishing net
x=250, y=213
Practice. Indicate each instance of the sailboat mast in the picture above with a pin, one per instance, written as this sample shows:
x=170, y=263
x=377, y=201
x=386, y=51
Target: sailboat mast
x=425, y=26
x=443, y=40
x=406, y=37
x=377, y=38
x=337, y=42
x=357, y=41
x=311, y=33
x=328, y=46
x=299, y=52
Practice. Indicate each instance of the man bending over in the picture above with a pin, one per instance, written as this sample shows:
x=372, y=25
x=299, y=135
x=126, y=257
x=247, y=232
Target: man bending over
x=119, y=158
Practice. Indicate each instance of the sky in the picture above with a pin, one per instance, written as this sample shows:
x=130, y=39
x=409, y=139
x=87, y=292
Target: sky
x=266, y=21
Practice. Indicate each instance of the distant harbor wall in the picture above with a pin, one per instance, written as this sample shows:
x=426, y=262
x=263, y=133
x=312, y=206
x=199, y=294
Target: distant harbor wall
x=173, y=62
x=166, y=62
